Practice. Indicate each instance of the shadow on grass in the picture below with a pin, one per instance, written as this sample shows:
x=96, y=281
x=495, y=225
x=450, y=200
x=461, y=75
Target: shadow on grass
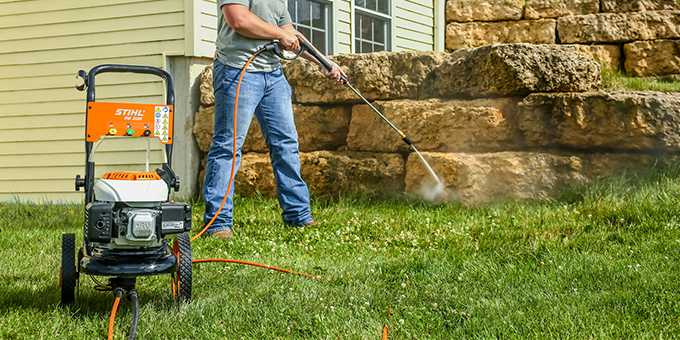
x=23, y=296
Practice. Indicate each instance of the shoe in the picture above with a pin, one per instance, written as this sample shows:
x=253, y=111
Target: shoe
x=308, y=224
x=223, y=234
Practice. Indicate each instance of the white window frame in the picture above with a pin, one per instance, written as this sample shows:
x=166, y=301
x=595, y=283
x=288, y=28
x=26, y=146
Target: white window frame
x=390, y=29
x=329, y=30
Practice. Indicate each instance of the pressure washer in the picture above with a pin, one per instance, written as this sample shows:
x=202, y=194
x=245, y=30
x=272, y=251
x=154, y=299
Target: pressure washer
x=129, y=215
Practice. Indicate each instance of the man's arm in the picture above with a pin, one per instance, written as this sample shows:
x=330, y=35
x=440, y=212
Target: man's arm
x=247, y=24
x=336, y=73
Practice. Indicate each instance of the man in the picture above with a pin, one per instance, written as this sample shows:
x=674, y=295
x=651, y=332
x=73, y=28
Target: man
x=243, y=27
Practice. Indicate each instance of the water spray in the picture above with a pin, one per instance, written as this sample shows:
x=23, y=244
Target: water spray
x=306, y=46
x=403, y=136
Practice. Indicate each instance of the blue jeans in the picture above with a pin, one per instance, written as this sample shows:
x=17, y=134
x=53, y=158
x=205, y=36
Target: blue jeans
x=267, y=95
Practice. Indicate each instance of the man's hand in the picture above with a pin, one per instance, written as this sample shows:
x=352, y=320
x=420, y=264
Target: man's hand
x=289, y=41
x=336, y=73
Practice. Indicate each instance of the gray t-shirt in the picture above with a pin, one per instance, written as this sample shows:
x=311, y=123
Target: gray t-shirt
x=234, y=49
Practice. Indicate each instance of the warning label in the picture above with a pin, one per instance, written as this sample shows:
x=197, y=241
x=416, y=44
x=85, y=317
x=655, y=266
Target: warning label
x=162, y=122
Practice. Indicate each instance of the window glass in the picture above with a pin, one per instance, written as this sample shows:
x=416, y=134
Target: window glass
x=318, y=16
x=384, y=6
x=380, y=6
x=312, y=18
x=379, y=33
x=291, y=9
x=303, y=13
x=366, y=28
x=372, y=25
x=319, y=40
x=371, y=4
x=371, y=33
x=357, y=26
x=307, y=32
x=366, y=47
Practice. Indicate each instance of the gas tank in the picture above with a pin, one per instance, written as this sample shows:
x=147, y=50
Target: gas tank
x=131, y=187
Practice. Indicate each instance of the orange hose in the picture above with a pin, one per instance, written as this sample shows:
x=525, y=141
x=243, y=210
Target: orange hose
x=112, y=317
x=386, y=333
x=259, y=265
x=235, y=149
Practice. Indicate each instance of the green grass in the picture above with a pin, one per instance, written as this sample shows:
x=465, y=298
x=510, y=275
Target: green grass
x=602, y=262
x=614, y=80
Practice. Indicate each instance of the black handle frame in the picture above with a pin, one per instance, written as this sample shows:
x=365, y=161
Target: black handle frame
x=117, y=68
x=90, y=84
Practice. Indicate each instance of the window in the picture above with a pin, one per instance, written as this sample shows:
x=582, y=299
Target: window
x=372, y=26
x=312, y=18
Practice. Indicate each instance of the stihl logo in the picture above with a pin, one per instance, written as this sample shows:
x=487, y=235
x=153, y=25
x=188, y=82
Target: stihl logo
x=130, y=114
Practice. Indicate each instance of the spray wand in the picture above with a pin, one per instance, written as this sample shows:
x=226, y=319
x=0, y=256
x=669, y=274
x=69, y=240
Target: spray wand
x=306, y=46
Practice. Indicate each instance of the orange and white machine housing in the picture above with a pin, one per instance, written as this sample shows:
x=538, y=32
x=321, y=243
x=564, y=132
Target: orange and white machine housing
x=128, y=214
x=106, y=120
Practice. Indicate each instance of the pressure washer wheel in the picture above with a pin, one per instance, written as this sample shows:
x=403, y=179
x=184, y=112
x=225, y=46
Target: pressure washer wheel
x=68, y=276
x=181, y=278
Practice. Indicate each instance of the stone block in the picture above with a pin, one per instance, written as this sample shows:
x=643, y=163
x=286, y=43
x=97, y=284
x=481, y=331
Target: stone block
x=475, y=34
x=621, y=121
x=329, y=173
x=537, y=9
x=514, y=70
x=639, y=5
x=619, y=27
x=206, y=87
x=473, y=178
x=483, y=10
x=436, y=125
x=609, y=56
x=379, y=76
x=652, y=58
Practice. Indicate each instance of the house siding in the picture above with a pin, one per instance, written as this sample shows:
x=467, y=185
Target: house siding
x=42, y=45
x=413, y=23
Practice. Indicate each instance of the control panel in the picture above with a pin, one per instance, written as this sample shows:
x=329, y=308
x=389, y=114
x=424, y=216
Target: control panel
x=129, y=119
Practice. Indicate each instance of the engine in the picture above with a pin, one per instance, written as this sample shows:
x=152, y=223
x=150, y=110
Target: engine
x=124, y=225
x=133, y=214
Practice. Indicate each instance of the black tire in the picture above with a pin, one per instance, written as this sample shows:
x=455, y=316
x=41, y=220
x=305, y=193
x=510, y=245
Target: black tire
x=68, y=276
x=182, y=277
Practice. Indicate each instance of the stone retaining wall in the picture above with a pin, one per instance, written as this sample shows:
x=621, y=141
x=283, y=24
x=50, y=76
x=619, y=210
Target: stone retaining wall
x=498, y=122
x=640, y=37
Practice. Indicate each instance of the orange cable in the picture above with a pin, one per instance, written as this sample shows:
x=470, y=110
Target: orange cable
x=259, y=265
x=112, y=317
x=235, y=150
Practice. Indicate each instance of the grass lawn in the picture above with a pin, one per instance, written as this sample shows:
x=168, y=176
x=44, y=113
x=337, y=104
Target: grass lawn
x=602, y=262
x=614, y=80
